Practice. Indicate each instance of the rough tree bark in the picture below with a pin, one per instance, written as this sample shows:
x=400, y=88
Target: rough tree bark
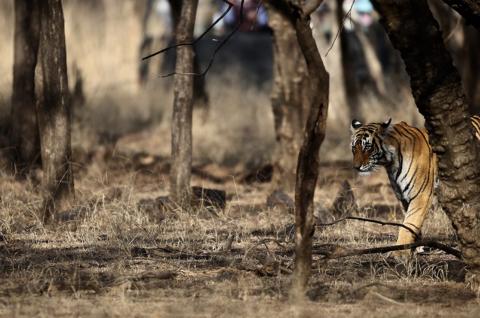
x=314, y=134
x=469, y=9
x=290, y=92
x=182, y=108
x=25, y=140
x=437, y=89
x=54, y=114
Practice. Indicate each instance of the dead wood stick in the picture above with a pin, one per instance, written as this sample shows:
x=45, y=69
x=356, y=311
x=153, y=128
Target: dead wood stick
x=357, y=218
x=332, y=251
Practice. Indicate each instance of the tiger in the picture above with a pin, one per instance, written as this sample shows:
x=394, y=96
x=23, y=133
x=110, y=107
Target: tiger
x=410, y=163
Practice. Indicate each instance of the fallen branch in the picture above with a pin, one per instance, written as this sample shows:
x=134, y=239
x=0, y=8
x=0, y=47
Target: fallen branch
x=357, y=218
x=331, y=251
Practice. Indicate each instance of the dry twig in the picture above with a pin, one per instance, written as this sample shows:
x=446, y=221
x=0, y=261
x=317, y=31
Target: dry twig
x=340, y=27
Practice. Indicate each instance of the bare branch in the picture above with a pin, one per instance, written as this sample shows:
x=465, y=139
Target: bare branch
x=331, y=251
x=340, y=27
x=230, y=6
x=217, y=49
x=371, y=221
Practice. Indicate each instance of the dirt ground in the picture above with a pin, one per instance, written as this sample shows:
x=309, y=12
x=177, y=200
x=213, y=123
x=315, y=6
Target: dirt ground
x=118, y=252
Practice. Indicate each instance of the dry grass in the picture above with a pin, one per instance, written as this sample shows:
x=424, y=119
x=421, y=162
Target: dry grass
x=109, y=256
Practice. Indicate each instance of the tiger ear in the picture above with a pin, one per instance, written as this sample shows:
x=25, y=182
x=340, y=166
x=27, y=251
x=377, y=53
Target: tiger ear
x=356, y=124
x=387, y=123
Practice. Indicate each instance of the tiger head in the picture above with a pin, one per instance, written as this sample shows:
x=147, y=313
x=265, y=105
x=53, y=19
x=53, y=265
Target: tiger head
x=367, y=140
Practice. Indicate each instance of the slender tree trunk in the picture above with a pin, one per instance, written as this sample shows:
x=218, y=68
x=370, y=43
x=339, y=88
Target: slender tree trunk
x=471, y=68
x=314, y=134
x=308, y=158
x=54, y=114
x=182, y=108
x=176, y=9
x=469, y=9
x=437, y=89
x=25, y=139
x=201, y=98
x=463, y=43
x=350, y=83
x=290, y=93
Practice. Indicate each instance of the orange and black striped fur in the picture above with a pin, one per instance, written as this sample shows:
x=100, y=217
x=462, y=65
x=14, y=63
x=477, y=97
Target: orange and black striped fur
x=411, y=165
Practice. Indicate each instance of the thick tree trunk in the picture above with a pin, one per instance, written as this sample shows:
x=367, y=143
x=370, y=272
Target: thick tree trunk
x=290, y=92
x=182, y=108
x=314, y=134
x=25, y=139
x=54, y=114
x=437, y=90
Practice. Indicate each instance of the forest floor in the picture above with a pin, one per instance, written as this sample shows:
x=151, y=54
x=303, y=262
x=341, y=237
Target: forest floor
x=119, y=253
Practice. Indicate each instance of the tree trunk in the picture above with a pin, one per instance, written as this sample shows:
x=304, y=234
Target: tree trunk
x=308, y=158
x=289, y=94
x=25, y=139
x=463, y=43
x=54, y=114
x=314, y=134
x=182, y=108
x=437, y=89
x=471, y=69
x=201, y=98
x=350, y=83
x=176, y=9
